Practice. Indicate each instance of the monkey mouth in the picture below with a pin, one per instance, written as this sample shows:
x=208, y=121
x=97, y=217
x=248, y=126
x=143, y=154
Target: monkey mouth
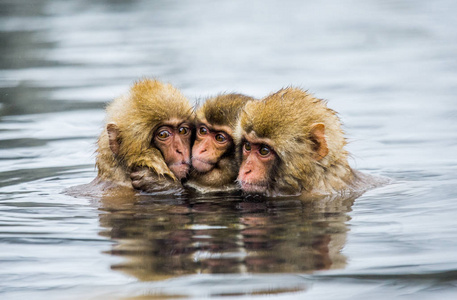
x=253, y=187
x=180, y=169
x=202, y=166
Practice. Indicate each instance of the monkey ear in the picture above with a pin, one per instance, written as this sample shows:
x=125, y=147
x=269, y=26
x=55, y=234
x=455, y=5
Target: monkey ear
x=319, y=143
x=113, y=137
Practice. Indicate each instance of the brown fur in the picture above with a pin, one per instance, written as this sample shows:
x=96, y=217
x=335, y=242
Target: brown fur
x=222, y=110
x=149, y=104
x=285, y=120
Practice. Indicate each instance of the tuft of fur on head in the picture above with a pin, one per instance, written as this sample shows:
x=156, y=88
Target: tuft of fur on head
x=223, y=109
x=148, y=104
x=286, y=118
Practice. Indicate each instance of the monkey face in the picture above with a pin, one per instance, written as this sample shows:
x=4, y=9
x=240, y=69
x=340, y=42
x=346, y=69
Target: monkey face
x=258, y=159
x=174, y=141
x=209, y=147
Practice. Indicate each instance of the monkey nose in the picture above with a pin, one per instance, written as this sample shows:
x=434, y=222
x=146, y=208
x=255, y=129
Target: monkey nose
x=185, y=153
x=179, y=146
x=198, y=149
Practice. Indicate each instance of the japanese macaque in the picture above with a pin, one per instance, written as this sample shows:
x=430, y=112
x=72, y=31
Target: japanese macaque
x=147, y=140
x=214, y=163
x=290, y=143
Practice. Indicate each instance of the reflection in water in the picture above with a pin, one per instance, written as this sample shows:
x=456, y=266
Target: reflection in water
x=163, y=238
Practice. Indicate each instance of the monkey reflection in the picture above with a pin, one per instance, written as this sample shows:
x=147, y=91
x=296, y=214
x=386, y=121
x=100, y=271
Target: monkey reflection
x=167, y=238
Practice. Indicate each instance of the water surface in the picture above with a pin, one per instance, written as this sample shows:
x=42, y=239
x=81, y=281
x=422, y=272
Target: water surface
x=388, y=67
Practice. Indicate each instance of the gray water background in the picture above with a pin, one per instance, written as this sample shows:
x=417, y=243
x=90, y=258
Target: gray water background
x=388, y=67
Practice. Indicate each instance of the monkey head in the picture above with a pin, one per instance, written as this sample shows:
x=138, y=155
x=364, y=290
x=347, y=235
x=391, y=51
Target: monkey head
x=213, y=152
x=290, y=143
x=151, y=127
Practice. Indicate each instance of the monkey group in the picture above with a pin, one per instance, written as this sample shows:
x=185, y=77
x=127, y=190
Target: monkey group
x=288, y=143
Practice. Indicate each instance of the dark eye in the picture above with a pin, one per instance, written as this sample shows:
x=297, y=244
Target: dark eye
x=247, y=146
x=202, y=130
x=220, y=138
x=183, y=130
x=264, y=150
x=163, y=134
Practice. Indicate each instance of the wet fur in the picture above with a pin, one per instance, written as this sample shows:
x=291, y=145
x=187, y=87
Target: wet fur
x=285, y=118
x=137, y=115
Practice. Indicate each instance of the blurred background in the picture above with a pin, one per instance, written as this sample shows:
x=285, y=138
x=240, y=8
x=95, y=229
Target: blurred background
x=388, y=67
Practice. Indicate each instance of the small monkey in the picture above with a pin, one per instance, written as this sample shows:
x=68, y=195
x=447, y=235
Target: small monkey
x=213, y=154
x=147, y=139
x=290, y=143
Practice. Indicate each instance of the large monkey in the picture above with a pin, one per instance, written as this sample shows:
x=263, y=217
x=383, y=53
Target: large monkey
x=290, y=143
x=147, y=139
x=213, y=154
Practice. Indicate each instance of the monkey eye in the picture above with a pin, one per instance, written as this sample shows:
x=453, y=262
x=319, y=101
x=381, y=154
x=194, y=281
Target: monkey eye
x=220, y=138
x=163, y=134
x=202, y=130
x=264, y=150
x=183, y=130
x=247, y=146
